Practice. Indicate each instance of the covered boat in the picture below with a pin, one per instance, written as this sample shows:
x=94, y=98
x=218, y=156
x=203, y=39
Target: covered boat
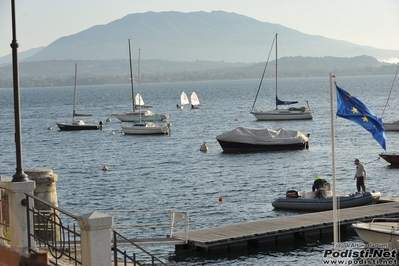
x=309, y=201
x=243, y=139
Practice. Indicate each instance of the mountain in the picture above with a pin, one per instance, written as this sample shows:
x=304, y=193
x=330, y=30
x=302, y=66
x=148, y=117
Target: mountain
x=208, y=36
x=98, y=72
x=7, y=59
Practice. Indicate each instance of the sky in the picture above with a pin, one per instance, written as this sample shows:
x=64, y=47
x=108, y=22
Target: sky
x=38, y=23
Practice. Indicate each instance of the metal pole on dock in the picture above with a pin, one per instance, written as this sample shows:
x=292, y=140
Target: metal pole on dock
x=335, y=211
x=19, y=176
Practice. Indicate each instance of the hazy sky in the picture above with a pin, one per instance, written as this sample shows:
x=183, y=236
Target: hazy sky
x=365, y=22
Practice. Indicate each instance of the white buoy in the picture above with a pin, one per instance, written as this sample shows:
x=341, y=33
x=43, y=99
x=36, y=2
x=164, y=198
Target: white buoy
x=49, y=128
x=237, y=119
x=112, y=132
x=105, y=168
x=204, y=147
x=108, y=119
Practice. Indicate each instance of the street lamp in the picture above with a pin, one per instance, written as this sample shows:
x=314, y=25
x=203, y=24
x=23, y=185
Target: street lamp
x=19, y=176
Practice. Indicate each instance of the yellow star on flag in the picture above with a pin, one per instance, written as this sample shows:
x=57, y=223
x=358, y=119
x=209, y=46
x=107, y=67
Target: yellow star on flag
x=354, y=110
x=365, y=119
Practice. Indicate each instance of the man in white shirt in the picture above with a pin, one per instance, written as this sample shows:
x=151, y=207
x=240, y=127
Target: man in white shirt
x=360, y=176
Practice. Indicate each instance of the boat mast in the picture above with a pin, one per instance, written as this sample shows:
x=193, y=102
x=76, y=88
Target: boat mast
x=74, y=93
x=138, y=82
x=276, y=72
x=131, y=74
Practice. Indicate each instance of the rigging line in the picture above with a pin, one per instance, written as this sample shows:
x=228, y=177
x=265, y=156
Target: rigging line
x=393, y=83
x=264, y=70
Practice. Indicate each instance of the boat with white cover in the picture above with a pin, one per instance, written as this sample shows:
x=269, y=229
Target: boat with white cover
x=244, y=139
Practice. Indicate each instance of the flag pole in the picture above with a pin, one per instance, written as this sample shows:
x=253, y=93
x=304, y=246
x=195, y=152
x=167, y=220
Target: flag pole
x=335, y=211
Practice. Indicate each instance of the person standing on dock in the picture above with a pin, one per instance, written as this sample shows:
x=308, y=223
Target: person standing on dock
x=360, y=175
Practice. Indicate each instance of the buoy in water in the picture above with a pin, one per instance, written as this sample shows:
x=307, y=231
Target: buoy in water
x=204, y=147
x=220, y=199
x=108, y=119
x=105, y=168
x=49, y=128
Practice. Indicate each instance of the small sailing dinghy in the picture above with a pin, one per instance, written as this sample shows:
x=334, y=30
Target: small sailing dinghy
x=183, y=100
x=194, y=101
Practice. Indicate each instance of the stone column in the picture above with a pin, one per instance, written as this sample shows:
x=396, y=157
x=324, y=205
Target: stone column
x=45, y=185
x=45, y=190
x=95, y=238
x=18, y=215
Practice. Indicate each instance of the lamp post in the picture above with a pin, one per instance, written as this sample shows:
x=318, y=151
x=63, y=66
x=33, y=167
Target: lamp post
x=19, y=176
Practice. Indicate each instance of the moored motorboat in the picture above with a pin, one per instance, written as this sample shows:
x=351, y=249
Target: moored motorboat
x=380, y=232
x=390, y=157
x=244, y=139
x=294, y=201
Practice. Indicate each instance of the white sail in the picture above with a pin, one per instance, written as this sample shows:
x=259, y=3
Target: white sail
x=194, y=99
x=138, y=100
x=183, y=98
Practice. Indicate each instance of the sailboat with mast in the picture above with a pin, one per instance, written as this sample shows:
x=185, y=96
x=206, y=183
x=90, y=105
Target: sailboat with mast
x=194, y=100
x=301, y=113
x=77, y=124
x=183, y=100
x=135, y=115
x=143, y=127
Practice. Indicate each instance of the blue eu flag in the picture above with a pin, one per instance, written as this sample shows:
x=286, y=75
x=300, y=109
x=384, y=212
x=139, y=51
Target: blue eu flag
x=351, y=108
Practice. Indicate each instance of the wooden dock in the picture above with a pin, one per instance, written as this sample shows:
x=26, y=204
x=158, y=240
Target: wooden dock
x=272, y=232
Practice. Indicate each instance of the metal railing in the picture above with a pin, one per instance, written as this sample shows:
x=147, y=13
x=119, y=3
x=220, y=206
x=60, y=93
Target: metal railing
x=52, y=230
x=138, y=256
x=4, y=216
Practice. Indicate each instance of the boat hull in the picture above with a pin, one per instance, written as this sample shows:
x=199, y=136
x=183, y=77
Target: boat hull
x=282, y=114
x=390, y=157
x=391, y=126
x=73, y=127
x=325, y=204
x=382, y=233
x=144, y=130
x=234, y=147
x=133, y=117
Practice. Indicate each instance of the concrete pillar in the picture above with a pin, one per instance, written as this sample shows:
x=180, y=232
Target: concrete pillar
x=46, y=190
x=95, y=238
x=18, y=215
x=45, y=185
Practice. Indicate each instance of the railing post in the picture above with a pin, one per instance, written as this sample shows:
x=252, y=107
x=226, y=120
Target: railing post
x=95, y=239
x=18, y=214
x=171, y=222
x=186, y=226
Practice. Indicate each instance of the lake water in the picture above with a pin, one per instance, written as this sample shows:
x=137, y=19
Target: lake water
x=156, y=173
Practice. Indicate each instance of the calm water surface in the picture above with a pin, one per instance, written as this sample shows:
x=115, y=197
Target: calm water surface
x=157, y=173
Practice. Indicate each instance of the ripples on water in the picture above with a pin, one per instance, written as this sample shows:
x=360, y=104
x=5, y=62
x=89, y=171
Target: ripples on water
x=149, y=173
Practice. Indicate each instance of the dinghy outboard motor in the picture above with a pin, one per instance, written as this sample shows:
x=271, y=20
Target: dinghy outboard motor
x=292, y=194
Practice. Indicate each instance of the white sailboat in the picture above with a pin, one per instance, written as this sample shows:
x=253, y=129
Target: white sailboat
x=194, y=101
x=77, y=124
x=135, y=115
x=142, y=127
x=183, y=100
x=300, y=113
